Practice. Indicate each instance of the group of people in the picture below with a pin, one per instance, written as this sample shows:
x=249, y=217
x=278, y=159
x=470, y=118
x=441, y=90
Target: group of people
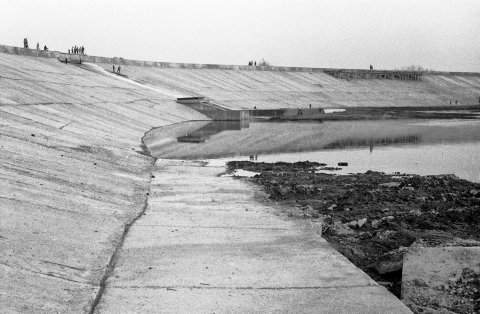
x=254, y=63
x=118, y=69
x=77, y=50
x=25, y=45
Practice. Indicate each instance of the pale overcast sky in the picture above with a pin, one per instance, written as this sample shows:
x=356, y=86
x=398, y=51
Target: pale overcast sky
x=437, y=34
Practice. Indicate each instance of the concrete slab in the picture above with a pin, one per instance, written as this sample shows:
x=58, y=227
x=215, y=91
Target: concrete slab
x=442, y=279
x=191, y=254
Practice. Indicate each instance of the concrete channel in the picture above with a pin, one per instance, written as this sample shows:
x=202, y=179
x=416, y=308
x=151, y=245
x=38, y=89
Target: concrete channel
x=90, y=224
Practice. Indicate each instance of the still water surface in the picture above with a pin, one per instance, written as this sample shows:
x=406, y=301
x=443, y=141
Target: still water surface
x=405, y=146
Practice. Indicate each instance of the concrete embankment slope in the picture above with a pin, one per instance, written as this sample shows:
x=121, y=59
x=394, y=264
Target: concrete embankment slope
x=71, y=177
x=248, y=87
x=284, y=89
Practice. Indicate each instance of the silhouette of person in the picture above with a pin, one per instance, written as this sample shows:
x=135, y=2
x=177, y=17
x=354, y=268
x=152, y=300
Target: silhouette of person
x=118, y=69
x=255, y=63
x=310, y=106
x=114, y=68
x=371, y=67
x=25, y=43
x=45, y=48
x=38, y=45
x=455, y=101
x=68, y=51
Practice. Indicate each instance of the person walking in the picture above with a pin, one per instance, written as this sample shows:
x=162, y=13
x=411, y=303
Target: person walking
x=118, y=69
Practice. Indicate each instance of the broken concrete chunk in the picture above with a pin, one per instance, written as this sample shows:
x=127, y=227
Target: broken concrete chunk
x=442, y=279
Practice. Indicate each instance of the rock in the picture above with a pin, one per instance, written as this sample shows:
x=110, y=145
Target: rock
x=352, y=253
x=474, y=192
x=361, y=222
x=376, y=223
x=352, y=224
x=388, y=267
x=340, y=229
x=415, y=212
x=408, y=188
x=332, y=207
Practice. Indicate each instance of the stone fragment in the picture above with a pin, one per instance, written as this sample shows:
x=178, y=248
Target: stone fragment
x=376, y=223
x=361, y=222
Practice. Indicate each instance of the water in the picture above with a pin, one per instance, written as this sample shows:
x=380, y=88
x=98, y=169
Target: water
x=405, y=146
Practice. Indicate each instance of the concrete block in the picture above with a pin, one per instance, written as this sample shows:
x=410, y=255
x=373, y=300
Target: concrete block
x=442, y=279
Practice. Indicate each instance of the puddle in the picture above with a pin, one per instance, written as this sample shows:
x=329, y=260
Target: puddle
x=404, y=146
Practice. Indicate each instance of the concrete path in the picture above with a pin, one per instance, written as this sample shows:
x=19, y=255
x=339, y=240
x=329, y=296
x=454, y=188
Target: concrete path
x=210, y=244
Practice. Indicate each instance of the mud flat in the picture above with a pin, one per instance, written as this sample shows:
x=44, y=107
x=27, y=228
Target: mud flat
x=372, y=218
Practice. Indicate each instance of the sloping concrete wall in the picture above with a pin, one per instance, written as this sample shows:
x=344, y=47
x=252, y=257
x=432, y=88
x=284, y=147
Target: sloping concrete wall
x=240, y=89
x=246, y=87
x=71, y=177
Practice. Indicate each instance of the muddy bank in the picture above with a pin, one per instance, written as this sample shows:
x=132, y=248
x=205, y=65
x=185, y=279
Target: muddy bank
x=372, y=218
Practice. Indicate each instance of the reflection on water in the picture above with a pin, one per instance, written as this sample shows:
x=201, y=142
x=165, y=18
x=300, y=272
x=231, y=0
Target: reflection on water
x=411, y=146
x=371, y=142
x=212, y=128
